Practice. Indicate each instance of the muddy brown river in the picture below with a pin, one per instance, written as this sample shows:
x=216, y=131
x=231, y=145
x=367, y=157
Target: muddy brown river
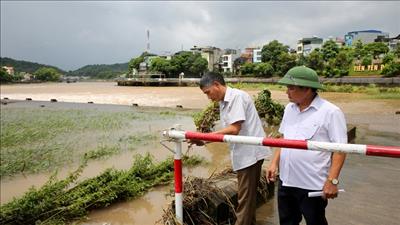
x=372, y=184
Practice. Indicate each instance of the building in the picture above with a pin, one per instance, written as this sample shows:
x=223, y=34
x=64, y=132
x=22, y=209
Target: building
x=257, y=55
x=247, y=55
x=9, y=69
x=391, y=42
x=211, y=54
x=306, y=45
x=228, y=59
x=366, y=36
x=394, y=42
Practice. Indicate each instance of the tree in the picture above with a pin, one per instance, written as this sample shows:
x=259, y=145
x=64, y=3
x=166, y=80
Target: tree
x=359, y=50
x=199, y=65
x=285, y=62
x=366, y=60
x=376, y=49
x=302, y=60
x=4, y=76
x=162, y=65
x=47, y=74
x=316, y=61
x=397, y=50
x=392, y=69
x=342, y=63
x=134, y=63
x=263, y=70
x=270, y=53
x=329, y=50
x=192, y=65
x=247, y=68
x=388, y=58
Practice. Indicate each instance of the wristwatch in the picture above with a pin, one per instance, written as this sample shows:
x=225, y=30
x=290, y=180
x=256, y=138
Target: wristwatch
x=334, y=181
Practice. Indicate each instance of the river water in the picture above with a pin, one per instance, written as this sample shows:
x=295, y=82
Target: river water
x=371, y=183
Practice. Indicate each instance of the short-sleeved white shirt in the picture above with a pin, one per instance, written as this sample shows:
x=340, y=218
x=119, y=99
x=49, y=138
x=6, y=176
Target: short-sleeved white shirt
x=321, y=121
x=238, y=106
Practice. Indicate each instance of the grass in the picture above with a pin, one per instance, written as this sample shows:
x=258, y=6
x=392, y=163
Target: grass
x=371, y=91
x=62, y=201
x=257, y=86
x=45, y=139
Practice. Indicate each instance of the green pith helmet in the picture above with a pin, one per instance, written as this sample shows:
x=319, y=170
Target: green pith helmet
x=301, y=76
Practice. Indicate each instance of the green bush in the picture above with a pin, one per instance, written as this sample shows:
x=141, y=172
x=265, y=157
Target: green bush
x=391, y=69
x=47, y=74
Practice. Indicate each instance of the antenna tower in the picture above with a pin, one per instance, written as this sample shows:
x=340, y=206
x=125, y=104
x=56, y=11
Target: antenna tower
x=148, y=41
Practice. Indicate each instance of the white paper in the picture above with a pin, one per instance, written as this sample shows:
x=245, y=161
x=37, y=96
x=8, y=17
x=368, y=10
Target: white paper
x=319, y=193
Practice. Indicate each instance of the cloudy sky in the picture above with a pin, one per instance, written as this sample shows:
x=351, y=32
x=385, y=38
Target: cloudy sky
x=73, y=34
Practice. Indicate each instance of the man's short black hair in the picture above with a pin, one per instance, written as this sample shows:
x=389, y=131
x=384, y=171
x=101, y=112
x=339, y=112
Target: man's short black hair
x=209, y=77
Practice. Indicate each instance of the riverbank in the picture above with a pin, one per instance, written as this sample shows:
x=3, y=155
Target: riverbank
x=370, y=183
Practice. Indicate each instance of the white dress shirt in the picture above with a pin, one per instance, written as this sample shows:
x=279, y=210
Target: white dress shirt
x=321, y=121
x=238, y=106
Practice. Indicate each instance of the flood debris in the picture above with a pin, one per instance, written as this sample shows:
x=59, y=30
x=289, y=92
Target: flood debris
x=213, y=200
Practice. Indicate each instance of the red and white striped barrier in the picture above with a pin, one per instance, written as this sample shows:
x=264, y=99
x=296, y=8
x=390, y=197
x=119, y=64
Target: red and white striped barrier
x=178, y=181
x=177, y=136
x=370, y=150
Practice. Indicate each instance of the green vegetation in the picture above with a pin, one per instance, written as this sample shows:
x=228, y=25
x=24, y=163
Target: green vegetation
x=371, y=90
x=5, y=77
x=61, y=201
x=25, y=66
x=206, y=119
x=192, y=65
x=47, y=74
x=267, y=109
x=45, y=139
x=276, y=54
x=257, y=86
x=329, y=61
x=101, y=71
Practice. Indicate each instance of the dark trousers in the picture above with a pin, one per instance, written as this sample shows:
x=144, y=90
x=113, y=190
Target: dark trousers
x=248, y=179
x=294, y=202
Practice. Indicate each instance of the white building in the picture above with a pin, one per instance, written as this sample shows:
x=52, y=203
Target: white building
x=228, y=59
x=256, y=55
x=306, y=45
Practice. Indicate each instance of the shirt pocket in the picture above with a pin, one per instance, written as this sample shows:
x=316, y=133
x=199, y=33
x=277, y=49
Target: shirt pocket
x=307, y=132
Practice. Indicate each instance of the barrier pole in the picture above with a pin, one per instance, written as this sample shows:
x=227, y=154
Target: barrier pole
x=178, y=180
x=369, y=150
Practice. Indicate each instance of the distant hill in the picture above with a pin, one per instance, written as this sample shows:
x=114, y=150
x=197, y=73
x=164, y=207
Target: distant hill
x=101, y=70
x=25, y=66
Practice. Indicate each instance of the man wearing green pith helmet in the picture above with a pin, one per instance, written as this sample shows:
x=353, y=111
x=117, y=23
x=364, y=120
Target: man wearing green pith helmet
x=307, y=117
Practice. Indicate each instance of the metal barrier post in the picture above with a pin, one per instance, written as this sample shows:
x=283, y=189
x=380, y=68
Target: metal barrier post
x=178, y=180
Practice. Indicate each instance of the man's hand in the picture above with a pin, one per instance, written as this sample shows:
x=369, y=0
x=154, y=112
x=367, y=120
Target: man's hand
x=271, y=172
x=330, y=190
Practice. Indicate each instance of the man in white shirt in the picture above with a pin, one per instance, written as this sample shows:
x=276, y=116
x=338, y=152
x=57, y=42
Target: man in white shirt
x=307, y=117
x=239, y=116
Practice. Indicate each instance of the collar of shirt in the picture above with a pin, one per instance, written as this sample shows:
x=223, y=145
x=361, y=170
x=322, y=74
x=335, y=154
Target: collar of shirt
x=316, y=104
x=227, y=97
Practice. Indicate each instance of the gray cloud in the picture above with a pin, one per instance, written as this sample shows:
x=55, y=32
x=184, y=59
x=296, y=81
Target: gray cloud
x=74, y=34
